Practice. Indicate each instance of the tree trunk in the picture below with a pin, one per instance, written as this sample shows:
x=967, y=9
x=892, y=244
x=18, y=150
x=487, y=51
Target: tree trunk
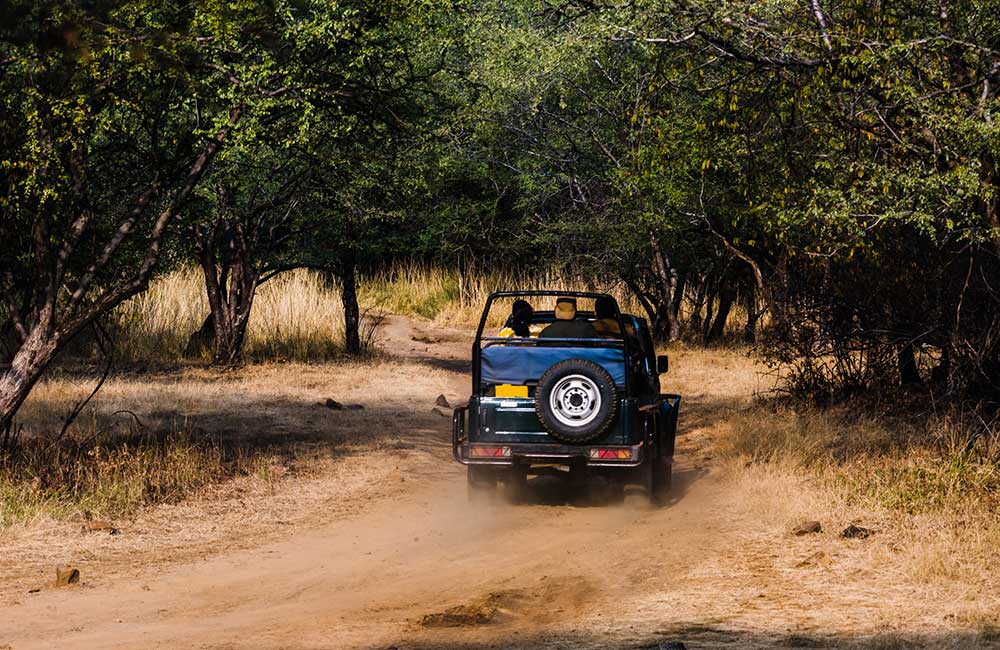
x=709, y=313
x=231, y=289
x=679, y=297
x=202, y=338
x=642, y=298
x=667, y=276
x=727, y=296
x=672, y=322
x=750, y=303
x=907, y=361
x=699, y=302
x=349, y=298
x=27, y=366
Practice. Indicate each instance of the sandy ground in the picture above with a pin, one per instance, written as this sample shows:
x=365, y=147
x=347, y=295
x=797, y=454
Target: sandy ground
x=394, y=556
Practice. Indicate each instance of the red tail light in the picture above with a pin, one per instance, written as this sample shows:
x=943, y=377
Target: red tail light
x=604, y=453
x=482, y=451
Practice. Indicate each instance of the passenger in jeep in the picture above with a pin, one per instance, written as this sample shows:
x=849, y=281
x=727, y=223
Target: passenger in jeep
x=522, y=314
x=606, y=322
x=566, y=325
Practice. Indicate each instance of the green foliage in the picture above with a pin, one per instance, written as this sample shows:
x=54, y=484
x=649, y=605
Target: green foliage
x=835, y=167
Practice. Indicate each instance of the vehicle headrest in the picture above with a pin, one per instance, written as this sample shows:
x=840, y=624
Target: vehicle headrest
x=566, y=308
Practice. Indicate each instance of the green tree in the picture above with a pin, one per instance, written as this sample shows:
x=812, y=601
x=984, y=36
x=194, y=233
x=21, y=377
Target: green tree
x=136, y=100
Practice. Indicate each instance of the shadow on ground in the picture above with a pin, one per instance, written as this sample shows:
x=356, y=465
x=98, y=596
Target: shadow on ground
x=700, y=637
x=557, y=489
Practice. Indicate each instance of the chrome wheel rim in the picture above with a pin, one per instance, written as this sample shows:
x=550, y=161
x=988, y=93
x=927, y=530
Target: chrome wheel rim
x=575, y=400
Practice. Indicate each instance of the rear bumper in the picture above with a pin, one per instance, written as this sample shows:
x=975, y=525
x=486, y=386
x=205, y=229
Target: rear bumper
x=521, y=453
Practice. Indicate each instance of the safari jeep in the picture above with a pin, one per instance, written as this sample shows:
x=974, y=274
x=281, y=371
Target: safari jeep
x=573, y=406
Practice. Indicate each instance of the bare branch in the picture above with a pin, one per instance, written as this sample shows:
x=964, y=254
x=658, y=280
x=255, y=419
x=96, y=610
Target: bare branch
x=821, y=19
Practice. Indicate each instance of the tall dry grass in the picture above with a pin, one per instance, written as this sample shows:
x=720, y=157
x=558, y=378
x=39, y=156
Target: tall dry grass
x=295, y=316
x=298, y=316
x=454, y=298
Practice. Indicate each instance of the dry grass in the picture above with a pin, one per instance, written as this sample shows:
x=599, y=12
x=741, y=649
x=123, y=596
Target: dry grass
x=257, y=453
x=927, y=485
x=106, y=475
x=931, y=501
x=453, y=298
x=939, y=464
x=161, y=437
x=296, y=316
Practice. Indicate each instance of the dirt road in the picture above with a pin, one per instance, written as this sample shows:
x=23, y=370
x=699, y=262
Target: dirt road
x=424, y=569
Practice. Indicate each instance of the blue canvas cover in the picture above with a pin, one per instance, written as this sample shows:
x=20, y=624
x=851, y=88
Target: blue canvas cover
x=518, y=365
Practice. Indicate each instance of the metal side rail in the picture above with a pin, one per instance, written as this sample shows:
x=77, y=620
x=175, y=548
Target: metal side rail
x=458, y=433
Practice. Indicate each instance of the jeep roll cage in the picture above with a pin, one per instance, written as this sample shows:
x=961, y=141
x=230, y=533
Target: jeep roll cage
x=477, y=346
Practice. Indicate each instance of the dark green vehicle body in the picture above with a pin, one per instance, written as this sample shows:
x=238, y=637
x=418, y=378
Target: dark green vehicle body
x=503, y=438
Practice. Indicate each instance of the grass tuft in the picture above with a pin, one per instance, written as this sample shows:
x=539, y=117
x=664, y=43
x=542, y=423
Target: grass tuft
x=111, y=476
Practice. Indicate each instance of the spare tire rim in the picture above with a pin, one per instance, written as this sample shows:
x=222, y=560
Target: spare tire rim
x=575, y=400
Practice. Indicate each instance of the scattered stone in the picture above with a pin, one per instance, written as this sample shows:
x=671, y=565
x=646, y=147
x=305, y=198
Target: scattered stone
x=440, y=411
x=671, y=645
x=34, y=590
x=807, y=528
x=816, y=559
x=115, y=531
x=442, y=401
x=856, y=532
x=424, y=339
x=355, y=407
x=67, y=576
x=333, y=404
x=98, y=526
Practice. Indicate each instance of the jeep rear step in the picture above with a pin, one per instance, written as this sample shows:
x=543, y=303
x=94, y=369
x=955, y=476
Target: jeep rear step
x=521, y=453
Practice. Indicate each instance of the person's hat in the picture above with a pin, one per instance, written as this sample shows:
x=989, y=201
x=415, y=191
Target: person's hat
x=566, y=308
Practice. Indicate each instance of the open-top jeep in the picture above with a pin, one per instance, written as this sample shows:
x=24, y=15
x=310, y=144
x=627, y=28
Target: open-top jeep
x=583, y=403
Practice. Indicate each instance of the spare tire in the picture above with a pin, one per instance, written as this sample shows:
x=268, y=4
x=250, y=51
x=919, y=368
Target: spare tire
x=575, y=400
